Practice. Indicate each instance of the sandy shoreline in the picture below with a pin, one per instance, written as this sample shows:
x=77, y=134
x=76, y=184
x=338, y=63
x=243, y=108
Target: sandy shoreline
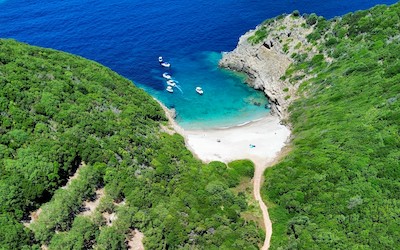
x=233, y=143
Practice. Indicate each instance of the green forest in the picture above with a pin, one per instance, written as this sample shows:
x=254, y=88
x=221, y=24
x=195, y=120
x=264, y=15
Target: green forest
x=339, y=187
x=60, y=114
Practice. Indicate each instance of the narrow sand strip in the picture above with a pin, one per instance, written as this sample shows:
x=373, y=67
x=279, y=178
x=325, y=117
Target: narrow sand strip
x=259, y=141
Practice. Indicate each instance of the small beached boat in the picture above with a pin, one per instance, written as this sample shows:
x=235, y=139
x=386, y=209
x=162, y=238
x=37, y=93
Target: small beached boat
x=199, y=90
x=165, y=64
x=171, y=83
x=160, y=59
x=166, y=75
x=169, y=89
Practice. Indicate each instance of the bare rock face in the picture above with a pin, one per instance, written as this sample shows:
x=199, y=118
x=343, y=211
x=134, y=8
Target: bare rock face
x=267, y=61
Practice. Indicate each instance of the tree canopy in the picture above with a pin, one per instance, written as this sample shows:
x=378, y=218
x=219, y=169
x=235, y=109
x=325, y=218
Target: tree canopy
x=59, y=111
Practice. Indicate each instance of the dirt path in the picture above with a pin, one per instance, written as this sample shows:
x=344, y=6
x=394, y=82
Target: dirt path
x=260, y=167
x=34, y=215
x=90, y=206
x=75, y=176
x=136, y=242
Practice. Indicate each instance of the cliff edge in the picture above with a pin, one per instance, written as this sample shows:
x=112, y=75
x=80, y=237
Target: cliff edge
x=265, y=54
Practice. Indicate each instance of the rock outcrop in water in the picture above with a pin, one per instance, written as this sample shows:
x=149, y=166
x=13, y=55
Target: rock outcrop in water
x=265, y=54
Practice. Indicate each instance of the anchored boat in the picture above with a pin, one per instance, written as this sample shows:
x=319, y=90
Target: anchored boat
x=166, y=76
x=199, y=90
x=165, y=64
x=171, y=83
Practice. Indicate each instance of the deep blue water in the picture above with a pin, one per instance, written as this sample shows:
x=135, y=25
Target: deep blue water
x=128, y=37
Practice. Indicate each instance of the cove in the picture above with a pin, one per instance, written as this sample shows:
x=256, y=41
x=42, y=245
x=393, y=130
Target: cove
x=227, y=100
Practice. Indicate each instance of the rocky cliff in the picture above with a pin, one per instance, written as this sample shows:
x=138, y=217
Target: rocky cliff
x=265, y=54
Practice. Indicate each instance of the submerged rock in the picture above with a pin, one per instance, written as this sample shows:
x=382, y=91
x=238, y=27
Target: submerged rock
x=173, y=112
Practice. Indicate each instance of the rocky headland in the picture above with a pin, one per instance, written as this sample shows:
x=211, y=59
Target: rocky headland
x=264, y=54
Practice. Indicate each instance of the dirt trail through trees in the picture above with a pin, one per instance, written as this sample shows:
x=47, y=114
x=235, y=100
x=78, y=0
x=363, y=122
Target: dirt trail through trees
x=260, y=167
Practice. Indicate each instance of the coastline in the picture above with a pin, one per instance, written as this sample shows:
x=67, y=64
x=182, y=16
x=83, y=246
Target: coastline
x=227, y=144
x=266, y=62
x=266, y=135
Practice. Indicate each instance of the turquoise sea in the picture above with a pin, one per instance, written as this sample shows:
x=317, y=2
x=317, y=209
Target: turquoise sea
x=225, y=93
x=129, y=35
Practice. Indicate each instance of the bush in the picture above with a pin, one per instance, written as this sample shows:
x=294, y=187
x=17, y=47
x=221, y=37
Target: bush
x=258, y=36
x=243, y=167
x=296, y=13
x=312, y=19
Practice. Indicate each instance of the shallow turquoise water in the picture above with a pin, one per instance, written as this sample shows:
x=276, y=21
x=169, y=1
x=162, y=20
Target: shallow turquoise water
x=230, y=105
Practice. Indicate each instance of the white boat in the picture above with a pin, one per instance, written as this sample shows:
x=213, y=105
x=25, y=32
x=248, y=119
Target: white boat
x=166, y=76
x=169, y=89
x=171, y=83
x=199, y=90
x=160, y=59
x=166, y=64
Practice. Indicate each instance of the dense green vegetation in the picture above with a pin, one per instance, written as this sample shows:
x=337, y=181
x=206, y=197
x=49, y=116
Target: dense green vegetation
x=258, y=36
x=339, y=187
x=58, y=111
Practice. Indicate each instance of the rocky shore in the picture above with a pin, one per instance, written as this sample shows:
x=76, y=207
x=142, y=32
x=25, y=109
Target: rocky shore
x=266, y=61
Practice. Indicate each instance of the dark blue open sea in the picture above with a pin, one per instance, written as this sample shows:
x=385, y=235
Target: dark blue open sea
x=129, y=35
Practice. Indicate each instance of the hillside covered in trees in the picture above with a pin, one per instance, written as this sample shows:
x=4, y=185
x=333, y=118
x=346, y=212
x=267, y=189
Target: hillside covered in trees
x=59, y=112
x=339, y=187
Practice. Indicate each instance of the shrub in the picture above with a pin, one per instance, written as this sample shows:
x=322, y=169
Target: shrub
x=296, y=13
x=258, y=36
x=312, y=19
x=243, y=167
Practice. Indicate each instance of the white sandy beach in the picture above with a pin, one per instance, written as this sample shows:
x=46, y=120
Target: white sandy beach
x=267, y=135
x=233, y=143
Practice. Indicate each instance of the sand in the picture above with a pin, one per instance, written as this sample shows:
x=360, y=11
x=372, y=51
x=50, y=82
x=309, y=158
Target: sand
x=266, y=135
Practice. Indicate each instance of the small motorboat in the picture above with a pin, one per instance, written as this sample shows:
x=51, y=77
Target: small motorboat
x=165, y=64
x=169, y=89
x=171, y=83
x=160, y=59
x=199, y=90
x=166, y=76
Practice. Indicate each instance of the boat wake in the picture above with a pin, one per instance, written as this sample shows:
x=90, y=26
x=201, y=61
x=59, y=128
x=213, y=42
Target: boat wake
x=177, y=86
